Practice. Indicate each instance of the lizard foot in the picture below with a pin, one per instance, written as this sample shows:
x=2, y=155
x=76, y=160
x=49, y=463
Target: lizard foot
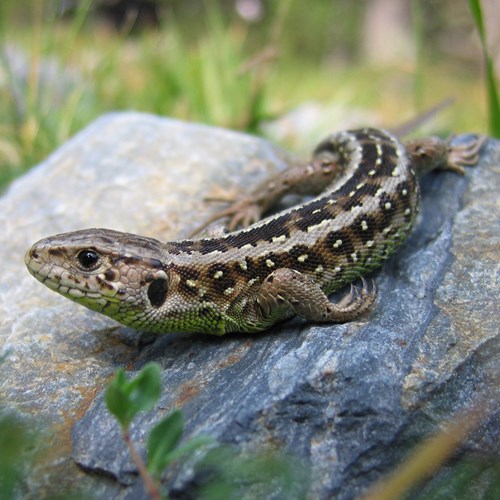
x=241, y=213
x=292, y=290
x=460, y=155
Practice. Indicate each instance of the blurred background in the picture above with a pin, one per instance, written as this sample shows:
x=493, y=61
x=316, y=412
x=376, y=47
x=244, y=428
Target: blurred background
x=292, y=71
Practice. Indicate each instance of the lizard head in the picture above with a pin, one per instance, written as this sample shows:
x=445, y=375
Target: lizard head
x=117, y=274
x=127, y=277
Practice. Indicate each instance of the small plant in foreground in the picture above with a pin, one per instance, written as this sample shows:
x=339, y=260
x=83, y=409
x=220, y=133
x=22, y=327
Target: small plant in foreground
x=226, y=474
x=125, y=399
x=15, y=438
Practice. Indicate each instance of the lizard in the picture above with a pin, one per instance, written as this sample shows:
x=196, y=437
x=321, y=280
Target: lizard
x=365, y=201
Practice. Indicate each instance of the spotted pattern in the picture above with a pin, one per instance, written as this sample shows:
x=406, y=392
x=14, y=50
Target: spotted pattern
x=356, y=219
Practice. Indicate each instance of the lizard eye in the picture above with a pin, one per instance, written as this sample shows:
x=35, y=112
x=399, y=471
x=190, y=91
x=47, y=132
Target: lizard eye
x=88, y=259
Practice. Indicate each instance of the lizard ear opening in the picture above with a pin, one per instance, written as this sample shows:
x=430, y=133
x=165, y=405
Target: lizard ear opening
x=157, y=292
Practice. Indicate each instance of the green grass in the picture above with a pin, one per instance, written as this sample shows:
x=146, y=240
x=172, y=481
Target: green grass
x=210, y=66
x=491, y=84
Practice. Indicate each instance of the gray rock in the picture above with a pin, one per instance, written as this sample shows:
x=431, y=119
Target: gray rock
x=127, y=171
x=348, y=399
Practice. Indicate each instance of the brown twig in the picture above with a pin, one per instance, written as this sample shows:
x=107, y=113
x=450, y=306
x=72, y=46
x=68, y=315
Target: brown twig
x=149, y=483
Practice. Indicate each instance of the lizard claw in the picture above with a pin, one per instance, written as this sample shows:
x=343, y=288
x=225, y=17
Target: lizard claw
x=362, y=297
x=460, y=155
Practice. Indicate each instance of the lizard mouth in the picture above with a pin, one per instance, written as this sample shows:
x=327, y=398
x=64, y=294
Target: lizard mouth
x=40, y=268
x=45, y=267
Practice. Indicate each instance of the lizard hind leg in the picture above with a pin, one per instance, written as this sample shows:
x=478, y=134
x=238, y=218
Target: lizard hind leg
x=298, y=293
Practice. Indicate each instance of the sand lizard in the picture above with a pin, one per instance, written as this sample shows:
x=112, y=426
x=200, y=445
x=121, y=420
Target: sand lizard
x=366, y=201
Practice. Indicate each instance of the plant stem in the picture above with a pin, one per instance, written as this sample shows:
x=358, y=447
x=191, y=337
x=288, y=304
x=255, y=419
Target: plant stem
x=149, y=483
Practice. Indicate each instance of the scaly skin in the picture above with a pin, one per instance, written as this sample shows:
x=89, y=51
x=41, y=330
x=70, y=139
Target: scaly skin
x=247, y=280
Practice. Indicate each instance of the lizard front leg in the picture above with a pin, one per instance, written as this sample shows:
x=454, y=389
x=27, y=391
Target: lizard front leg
x=433, y=153
x=307, y=179
x=290, y=289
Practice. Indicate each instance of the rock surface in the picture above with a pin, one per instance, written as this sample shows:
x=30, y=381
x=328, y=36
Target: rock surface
x=348, y=399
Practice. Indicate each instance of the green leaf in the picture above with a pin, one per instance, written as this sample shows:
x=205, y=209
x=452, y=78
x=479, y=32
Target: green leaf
x=189, y=447
x=271, y=474
x=16, y=439
x=116, y=399
x=162, y=440
x=145, y=388
x=125, y=399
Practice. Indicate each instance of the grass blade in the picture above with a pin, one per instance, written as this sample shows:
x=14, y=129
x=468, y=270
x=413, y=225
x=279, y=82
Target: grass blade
x=491, y=87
